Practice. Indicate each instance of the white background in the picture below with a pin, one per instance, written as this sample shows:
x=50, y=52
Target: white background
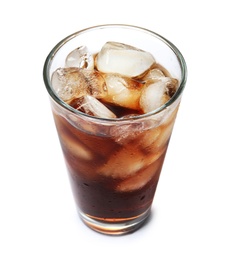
x=38, y=219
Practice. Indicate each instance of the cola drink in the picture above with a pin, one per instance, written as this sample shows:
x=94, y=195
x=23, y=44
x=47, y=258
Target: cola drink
x=114, y=125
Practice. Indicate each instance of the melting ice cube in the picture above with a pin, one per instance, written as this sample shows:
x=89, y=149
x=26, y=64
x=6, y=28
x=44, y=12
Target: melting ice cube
x=71, y=83
x=123, y=59
x=143, y=176
x=80, y=58
x=76, y=148
x=123, y=163
x=154, y=75
x=156, y=94
x=164, y=136
x=122, y=91
x=91, y=106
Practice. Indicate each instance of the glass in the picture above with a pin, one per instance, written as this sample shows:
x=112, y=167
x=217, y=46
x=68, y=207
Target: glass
x=114, y=164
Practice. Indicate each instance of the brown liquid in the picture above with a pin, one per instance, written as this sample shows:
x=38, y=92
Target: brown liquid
x=103, y=187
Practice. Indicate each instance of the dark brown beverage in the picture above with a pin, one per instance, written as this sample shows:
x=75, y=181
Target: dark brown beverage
x=114, y=111
x=113, y=177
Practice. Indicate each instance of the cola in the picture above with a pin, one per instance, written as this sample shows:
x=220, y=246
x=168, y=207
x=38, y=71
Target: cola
x=114, y=124
x=113, y=177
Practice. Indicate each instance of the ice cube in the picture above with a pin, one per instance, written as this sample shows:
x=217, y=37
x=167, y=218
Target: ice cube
x=155, y=94
x=122, y=91
x=140, y=179
x=123, y=163
x=163, y=138
x=80, y=58
x=75, y=148
x=91, y=106
x=125, y=133
x=154, y=75
x=71, y=83
x=124, y=59
x=148, y=138
x=171, y=114
x=171, y=85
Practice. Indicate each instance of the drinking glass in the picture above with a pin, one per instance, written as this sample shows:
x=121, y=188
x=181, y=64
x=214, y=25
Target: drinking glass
x=114, y=164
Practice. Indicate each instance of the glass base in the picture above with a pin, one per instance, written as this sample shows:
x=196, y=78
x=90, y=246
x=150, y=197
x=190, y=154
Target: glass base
x=115, y=226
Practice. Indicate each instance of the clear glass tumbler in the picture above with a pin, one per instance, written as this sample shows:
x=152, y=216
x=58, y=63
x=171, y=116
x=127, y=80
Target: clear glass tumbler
x=114, y=164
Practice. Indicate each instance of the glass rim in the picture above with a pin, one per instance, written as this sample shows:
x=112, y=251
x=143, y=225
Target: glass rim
x=63, y=104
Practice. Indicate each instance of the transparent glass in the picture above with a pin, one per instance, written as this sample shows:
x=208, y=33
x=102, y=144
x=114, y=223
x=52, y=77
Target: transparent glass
x=114, y=164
